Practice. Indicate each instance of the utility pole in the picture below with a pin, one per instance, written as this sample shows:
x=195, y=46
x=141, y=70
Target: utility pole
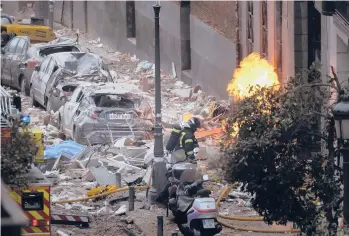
x=159, y=166
x=50, y=16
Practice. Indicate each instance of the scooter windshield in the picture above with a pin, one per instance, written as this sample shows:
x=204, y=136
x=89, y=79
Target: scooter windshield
x=191, y=174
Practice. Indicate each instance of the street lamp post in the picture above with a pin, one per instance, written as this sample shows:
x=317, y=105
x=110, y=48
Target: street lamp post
x=341, y=116
x=50, y=19
x=159, y=166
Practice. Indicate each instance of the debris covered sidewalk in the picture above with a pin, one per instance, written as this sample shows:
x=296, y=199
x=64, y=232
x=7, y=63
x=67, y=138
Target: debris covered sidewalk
x=80, y=172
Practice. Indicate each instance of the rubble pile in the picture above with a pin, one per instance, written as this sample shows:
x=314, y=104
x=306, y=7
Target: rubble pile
x=79, y=171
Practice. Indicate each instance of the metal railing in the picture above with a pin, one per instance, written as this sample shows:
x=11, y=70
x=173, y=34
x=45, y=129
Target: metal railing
x=342, y=10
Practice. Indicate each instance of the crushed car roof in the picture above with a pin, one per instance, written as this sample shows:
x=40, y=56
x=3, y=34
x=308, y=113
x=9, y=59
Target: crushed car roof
x=55, y=43
x=78, y=62
x=111, y=88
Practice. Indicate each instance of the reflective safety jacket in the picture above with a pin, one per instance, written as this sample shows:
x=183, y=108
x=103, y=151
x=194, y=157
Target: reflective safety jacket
x=173, y=141
x=188, y=142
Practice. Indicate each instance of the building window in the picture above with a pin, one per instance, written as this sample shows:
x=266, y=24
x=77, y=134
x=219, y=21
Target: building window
x=185, y=35
x=264, y=29
x=278, y=20
x=131, y=20
x=250, y=37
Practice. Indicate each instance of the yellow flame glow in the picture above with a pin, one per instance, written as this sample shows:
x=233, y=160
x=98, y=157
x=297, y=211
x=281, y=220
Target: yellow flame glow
x=253, y=71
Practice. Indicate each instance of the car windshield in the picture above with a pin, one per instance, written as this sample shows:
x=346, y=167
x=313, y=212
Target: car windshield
x=5, y=20
x=55, y=49
x=111, y=100
x=82, y=65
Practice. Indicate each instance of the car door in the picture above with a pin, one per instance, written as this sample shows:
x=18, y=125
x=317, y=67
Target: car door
x=37, y=80
x=45, y=78
x=6, y=59
x=17, y=58
x=69, y=110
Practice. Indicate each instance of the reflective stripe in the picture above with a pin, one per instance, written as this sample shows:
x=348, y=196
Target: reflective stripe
x=189, y=153
x=181, y=139
x=176, y=130
x=189, y=141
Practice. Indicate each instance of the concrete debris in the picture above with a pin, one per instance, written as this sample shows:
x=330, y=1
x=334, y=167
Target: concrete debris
x=147, y=176
x=129, y=220
x=114, y=74
x=103, y=176
x=240, y=195
x=178, y=84
x=76, y=173
x=197, y=89
x=122, y=210
x=62, y=160
x=183, y=93
x=89, y=177
x=144, y=66
x=61, y=233
x=119, y=157
x=149, y=156
x=135, y=178
x=134, y=58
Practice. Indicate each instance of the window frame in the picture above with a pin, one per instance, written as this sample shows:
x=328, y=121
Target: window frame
x=250, y=32
x=264, y=21
x=43, y=70
x=21, y=51
x=7, y=50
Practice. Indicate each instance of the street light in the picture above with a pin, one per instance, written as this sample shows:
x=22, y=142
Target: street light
x=341, y=116
x=159, y=167
x=51, y=14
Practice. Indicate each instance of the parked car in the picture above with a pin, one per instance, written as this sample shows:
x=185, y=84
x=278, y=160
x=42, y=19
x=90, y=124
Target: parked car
x=13, y=56
x=38, y=52
x=100, y=114
x=19, y=58
x=55, y=79
x=6, y=19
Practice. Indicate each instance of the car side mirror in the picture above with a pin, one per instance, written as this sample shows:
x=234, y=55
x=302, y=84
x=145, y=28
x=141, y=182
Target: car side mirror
x=37, y=68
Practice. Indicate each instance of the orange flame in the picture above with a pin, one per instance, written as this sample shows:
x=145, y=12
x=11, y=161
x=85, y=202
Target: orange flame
x=253, y=71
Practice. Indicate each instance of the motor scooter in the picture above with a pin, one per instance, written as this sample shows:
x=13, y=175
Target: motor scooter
x=194, y=210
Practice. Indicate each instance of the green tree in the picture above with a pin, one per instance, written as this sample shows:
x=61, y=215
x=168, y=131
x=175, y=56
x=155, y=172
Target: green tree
x=273, y=146
x=17, y=157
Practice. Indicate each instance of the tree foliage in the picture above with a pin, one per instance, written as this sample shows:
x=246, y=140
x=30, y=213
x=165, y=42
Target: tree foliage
x=273, y=146
x=17, y=157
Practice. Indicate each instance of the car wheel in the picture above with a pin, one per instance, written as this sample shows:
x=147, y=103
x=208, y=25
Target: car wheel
x=34, y=103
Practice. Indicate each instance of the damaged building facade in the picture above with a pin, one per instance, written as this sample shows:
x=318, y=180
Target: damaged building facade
x=202, y=42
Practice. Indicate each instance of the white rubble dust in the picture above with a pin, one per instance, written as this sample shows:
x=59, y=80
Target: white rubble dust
x=111, y=216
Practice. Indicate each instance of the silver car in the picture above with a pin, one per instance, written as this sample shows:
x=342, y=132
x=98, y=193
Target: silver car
x=54, y=81
x=100, y=114
x=20, y=56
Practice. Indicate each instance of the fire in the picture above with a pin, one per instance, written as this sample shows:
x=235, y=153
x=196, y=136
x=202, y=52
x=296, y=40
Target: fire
x=253, y=71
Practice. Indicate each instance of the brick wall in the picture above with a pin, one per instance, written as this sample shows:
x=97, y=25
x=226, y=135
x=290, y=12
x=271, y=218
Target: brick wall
x=220, y=15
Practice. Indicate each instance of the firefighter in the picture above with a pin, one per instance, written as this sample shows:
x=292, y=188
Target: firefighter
x=185, y=138
x=173, y=141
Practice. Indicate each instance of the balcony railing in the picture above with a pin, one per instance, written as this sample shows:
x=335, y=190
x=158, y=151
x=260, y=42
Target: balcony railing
x=342, y=9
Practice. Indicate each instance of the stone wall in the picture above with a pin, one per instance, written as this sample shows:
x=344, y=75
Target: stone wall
x=197, y=41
